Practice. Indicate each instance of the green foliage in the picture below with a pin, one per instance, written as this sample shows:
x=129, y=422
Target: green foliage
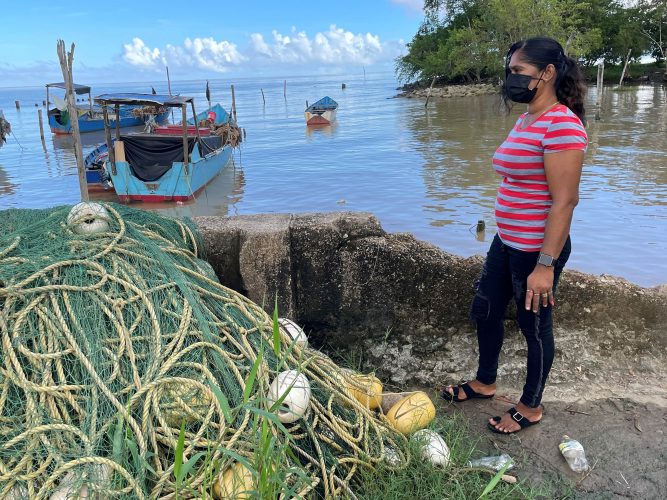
x=466, y=40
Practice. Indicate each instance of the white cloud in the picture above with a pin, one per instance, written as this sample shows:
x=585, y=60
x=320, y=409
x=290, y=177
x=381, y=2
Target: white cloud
x=413, y=5
x=334, y=47
x=138, y=54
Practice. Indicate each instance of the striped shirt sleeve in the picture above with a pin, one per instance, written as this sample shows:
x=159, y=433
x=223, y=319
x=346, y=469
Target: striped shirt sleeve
x=565, y=133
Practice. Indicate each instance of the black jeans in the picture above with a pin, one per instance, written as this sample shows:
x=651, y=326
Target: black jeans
x=504, y=276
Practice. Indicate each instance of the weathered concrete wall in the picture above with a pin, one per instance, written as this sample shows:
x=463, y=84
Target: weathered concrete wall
x=404, y=303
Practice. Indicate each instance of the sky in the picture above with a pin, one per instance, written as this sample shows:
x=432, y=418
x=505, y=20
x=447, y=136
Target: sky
x=134, y=41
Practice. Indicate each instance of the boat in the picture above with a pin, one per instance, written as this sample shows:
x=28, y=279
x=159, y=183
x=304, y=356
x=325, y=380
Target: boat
x=90, y=117
x=5, y=128
x=154, y=167
x=97, y=178
x=322, y=112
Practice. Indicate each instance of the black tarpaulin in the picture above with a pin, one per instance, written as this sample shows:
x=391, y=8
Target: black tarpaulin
x=150, y=156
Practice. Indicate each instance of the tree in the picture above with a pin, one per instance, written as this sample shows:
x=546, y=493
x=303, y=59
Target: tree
x=654, y=28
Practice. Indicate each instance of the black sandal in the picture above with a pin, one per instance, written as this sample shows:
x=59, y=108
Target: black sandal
x=469, y=392
x=517, y=417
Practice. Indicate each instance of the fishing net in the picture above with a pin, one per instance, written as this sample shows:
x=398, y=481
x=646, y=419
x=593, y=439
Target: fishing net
x=114, y=343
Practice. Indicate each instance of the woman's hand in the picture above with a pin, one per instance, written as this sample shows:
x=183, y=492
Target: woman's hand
x=539, y=288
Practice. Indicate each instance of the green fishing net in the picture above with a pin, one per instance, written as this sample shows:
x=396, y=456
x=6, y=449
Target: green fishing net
x=128, y=371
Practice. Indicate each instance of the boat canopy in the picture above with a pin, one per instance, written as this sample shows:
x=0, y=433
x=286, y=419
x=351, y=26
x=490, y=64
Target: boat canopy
x=144, y=99
x=323, y=104
x=78, y=89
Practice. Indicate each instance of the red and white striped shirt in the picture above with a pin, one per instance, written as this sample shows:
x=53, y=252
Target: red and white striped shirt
x=523, y=201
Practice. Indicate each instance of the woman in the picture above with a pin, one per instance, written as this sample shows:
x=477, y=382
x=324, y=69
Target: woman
x=540, y=163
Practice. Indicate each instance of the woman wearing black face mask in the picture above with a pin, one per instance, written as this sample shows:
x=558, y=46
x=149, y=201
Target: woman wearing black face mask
x=540, y=164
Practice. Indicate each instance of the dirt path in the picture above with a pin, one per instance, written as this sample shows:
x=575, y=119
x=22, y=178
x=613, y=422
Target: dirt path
x=625, y=442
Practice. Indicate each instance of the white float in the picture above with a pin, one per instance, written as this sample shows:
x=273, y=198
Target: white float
x=432, y=447
x=88, y=218
x=296, y=402
x=294, y=331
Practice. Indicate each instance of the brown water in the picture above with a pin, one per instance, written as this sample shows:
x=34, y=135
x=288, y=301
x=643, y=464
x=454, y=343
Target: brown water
x=424, y=171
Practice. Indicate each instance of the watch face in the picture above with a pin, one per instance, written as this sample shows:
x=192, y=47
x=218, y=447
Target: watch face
x=545, y=260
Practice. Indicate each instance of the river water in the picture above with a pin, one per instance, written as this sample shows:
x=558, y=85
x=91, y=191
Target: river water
x=423, y=171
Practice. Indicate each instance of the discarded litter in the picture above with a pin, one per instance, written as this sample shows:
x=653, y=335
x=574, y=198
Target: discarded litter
x=573, y=451
x=495, y=462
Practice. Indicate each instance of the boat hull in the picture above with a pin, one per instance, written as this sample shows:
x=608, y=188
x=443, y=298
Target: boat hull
x=175, y=184
x=91, y=125
x=325, y=118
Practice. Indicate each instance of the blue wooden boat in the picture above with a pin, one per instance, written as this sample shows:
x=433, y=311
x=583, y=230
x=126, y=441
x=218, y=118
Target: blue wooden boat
x=90, y=117
x=154, y=167
x=96, y=177
x=322, y=112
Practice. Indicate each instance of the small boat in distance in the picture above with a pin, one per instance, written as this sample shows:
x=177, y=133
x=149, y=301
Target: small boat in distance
x=154, y=167
x=91, y=117
x=322, y=112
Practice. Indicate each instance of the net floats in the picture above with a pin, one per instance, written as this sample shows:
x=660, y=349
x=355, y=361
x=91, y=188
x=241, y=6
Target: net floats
x=293, y=331
x=235, y=482
x=408, y=412
x=295, y=389
x=432, y=447
x=88, y=218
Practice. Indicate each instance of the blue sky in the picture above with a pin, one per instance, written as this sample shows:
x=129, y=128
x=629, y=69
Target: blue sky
x=133, y=41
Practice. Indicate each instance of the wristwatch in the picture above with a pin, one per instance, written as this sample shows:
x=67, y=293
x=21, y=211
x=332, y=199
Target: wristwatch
x=546, y=260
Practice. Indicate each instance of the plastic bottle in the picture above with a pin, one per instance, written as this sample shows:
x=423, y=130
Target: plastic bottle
x=574, y=453
x=496, y=462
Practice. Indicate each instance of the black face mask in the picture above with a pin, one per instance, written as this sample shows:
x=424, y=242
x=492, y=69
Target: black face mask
x=516, y=87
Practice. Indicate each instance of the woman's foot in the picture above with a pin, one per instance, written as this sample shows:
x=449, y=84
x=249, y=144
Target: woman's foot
x=515, y=419
x=468, y=390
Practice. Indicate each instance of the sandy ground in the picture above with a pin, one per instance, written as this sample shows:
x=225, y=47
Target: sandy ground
x=625, y=442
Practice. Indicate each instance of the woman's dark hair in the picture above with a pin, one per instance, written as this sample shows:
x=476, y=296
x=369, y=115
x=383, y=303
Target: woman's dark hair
x=542, y=51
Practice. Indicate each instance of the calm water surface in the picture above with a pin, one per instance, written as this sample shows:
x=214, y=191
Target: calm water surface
x=424, y=171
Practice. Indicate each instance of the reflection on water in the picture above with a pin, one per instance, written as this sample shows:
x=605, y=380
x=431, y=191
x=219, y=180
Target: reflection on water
x=424, y=171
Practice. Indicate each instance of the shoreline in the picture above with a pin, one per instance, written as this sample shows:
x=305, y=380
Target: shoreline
x=447, y=91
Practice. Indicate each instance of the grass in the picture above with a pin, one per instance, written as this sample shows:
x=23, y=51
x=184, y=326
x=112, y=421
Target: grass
x=419, y=479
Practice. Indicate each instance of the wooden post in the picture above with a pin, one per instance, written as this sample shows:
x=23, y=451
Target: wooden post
x=117, y=113
x=90, y=103
x=168, y=80
x=107, y=133
x=66, y=60
x=263, y=100
x=18, y=104
x=41, y=124
x=233, y=103
x=428, y=96
x=625, y=66
x=285, y=89
x=184, y=115
x=306, y=103
x=342, y=86
x=600, y=85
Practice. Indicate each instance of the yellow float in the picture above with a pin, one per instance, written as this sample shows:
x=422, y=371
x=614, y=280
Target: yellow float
x=367, y=389
x=412, y=412
x=235, y=483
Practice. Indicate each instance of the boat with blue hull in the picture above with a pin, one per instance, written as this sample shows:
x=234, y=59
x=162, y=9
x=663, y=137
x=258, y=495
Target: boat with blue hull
x=154, y=167
x=90, y=117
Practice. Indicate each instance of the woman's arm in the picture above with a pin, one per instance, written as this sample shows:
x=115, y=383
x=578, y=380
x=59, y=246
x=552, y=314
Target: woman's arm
x=563, y=171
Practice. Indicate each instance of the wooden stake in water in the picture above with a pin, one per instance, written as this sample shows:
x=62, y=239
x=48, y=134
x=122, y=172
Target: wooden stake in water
x=625, y=66
x=66, y=60
x=41, y=124
x=285, y=89
x=600, y=84
x=263, y=100
x=233, y=103
x=428, y=96
x=18, y=104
